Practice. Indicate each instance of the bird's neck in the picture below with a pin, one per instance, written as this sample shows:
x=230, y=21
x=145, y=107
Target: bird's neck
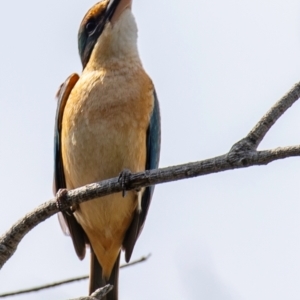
x=129, y=60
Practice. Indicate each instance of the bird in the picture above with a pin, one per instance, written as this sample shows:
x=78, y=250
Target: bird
x=107, y=122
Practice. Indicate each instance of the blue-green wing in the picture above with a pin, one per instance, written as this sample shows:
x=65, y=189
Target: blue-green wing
x=67, y=220
x=152, y=160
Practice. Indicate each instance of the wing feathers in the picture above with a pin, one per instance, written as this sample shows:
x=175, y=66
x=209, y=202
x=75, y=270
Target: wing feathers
x=153, y=151
x=71, y=226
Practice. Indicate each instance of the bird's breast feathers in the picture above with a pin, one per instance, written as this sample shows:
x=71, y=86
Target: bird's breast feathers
x=105, y=123
x=104, y=131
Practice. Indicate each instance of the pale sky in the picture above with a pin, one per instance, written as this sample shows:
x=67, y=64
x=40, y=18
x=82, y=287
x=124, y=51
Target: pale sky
x=218, y=66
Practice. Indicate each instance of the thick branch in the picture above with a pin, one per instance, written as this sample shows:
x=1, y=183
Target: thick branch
x=242, y=154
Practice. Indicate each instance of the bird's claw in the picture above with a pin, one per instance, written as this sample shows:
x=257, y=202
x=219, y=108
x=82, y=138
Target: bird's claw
x=60, y=202
x=124, y=179
x=60, y=197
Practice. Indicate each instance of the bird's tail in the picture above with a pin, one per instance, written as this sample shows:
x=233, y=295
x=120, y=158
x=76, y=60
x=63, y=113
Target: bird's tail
x=97, y=281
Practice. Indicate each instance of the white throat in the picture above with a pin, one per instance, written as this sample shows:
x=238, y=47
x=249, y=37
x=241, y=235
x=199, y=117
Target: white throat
x=117, y=42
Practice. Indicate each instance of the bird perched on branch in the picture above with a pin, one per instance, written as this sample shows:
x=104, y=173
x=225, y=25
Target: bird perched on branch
x=107, y=121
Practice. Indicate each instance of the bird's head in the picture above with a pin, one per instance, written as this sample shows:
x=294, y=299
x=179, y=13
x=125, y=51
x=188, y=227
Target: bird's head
x=107, y=30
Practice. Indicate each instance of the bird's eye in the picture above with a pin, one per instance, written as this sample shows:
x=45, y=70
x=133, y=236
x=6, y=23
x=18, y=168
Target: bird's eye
x=90, y=26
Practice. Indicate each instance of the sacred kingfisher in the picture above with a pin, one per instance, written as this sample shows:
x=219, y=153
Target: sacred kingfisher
x=107, y=121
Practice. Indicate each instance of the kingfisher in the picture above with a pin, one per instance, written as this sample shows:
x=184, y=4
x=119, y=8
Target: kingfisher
x=107, y=121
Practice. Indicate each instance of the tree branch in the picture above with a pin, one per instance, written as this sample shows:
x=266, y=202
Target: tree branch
x=259, y=131
x=242, y=154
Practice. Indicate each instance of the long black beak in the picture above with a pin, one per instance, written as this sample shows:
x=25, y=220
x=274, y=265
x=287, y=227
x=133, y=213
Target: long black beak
x=110, y=10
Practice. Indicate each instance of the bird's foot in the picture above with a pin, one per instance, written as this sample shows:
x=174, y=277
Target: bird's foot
x=60, y=202
x=124, y=179
x=60, y=197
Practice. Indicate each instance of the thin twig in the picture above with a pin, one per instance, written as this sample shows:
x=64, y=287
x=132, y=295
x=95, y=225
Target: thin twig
x=277, y=110
x=242, y=154
x=98, y=294
x=55, y=284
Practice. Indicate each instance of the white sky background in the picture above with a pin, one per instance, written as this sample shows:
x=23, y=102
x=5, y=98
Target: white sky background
x=218, y=66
